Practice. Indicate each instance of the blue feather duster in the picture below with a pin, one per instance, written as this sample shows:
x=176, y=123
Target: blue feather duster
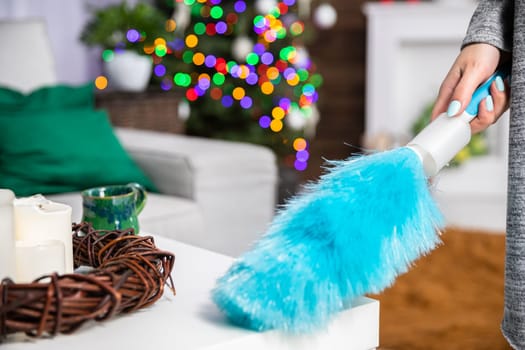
x=351, y=233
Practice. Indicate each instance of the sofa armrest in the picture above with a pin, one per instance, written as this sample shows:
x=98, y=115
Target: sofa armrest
x=233, y=183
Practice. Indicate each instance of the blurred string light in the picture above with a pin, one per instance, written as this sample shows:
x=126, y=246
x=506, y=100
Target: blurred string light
x=101, y=82
x=259, y=66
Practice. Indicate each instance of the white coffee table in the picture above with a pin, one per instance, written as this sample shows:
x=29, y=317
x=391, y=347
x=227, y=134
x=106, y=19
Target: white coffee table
x=190, y=321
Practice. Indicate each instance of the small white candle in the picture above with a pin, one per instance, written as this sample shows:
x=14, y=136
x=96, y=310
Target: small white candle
x=37, y=259
x=7, y=235
x=38, y=219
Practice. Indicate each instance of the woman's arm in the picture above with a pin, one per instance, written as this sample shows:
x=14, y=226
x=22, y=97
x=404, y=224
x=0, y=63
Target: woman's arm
x=487, y=44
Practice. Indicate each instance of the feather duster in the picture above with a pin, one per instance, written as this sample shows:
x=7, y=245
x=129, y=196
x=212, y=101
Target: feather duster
x=351, y=233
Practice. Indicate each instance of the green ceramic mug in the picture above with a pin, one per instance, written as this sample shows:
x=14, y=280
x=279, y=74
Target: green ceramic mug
x=113, y=207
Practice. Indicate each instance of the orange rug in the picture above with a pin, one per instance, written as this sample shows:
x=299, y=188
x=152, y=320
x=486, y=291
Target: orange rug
x=451, y=299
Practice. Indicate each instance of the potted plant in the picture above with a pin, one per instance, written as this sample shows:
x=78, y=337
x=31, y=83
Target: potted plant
x=128, y=37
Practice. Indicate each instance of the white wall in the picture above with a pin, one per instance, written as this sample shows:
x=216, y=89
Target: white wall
x=75, y=63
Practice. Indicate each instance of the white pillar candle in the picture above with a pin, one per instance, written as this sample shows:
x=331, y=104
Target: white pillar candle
x=39, y=219
x=37, y=259
x=7, y=235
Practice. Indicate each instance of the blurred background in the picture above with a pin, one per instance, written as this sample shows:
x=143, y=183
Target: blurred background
x=350, y=76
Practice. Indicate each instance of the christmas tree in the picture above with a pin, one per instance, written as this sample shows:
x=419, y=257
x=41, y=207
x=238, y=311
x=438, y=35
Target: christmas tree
x=245, y=72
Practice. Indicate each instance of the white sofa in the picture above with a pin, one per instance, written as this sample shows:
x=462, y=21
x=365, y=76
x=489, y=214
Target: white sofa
x=215, y=194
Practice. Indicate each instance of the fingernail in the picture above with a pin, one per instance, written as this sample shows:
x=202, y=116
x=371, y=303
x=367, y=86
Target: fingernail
x=453, y=108
x=489, y=103
x=499, y=84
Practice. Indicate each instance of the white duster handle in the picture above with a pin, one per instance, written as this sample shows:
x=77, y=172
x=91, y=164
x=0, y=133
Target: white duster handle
x=441, y=140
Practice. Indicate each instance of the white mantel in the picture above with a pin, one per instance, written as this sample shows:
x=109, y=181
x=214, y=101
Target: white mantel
x=410, y=48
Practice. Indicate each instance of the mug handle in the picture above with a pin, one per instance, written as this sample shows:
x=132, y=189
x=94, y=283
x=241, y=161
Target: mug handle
x=140, y=196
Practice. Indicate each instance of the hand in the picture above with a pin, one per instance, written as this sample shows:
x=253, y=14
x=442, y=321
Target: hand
x=472, y=67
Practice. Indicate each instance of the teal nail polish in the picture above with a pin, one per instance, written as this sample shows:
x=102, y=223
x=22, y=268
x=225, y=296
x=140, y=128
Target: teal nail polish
x=499, y=84
x=489, y=103
x=453, y=108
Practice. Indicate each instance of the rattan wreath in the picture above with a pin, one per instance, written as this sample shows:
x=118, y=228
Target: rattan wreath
x=129, y=273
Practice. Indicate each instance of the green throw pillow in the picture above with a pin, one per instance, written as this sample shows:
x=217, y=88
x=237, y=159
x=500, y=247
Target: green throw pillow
x=57, y=97
x=62, y=151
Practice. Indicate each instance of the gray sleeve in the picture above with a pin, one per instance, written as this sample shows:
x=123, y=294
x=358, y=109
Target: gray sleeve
x=492, y=24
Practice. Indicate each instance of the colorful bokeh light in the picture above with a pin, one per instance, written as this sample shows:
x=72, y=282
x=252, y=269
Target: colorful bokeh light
x=171, y=25
x=101, y=82
x=282, y=75
x=133, y=35
x=108, y=55
x=264, y=121
x=239, y=6
x=227, y=101
x=299, y=144
x=159, y=70
x=192, y=40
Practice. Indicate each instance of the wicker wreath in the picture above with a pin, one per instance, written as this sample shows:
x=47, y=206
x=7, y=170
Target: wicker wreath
x=129, y=273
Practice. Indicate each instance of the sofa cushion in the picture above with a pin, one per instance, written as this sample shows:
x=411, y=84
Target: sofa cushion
x=62, y=151
x=234, y=183
x=48, y=98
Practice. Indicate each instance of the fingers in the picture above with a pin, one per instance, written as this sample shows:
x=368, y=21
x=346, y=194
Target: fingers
x=445, y=92
x=500, y=91
x=456, y=90
x=486, y=115
x=492, y=107
x=469, y=82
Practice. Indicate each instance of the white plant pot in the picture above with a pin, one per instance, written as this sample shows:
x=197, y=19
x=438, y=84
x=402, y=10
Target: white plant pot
x=128, y=71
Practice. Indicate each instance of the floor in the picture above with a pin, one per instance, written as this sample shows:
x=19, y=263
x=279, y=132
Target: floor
x=451, y=299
